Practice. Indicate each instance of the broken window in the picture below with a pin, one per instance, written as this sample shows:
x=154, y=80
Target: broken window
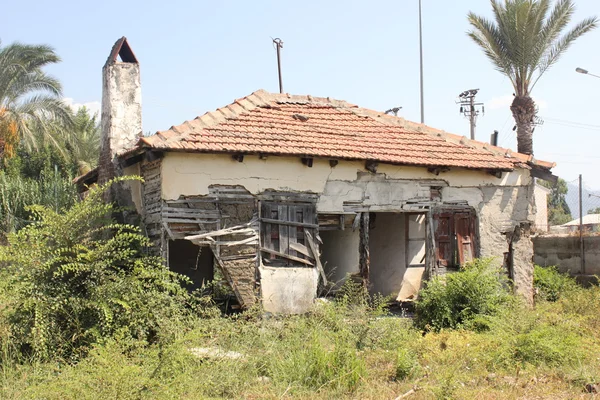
x=288, y=233
x=455, y=237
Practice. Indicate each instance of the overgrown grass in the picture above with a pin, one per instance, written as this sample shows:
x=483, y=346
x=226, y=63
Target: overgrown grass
x=339, y=351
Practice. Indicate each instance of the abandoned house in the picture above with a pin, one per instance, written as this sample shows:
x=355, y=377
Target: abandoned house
x=289, y=195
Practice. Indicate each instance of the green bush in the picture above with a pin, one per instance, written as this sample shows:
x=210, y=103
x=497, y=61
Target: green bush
x=463, y=299
x=76, y=278
x=550, y=285
x=406, y=364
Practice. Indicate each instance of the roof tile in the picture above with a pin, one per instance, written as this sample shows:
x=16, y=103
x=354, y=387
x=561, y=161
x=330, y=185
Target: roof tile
x=282, y=124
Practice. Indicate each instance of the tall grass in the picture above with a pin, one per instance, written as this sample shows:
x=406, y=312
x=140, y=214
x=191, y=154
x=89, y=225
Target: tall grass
x=50, y=189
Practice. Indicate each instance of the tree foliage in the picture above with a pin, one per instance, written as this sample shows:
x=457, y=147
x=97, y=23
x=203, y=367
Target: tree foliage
x=31, y=109
x=525, y=39
x=558, y=210
x=77, y=277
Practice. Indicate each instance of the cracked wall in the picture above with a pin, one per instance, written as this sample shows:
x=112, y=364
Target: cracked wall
x=502, y=204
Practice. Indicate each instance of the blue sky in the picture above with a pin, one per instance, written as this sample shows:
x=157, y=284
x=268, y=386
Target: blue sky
x=198, y=55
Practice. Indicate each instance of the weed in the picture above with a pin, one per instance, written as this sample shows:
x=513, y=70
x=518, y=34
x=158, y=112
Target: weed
x=550, y=284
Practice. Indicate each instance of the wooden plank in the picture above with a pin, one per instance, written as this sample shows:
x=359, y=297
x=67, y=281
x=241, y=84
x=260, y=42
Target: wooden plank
x=302, y=249
x=265, y=228
x=317, y=257
x=290, y=223
x=364, y=251
x=293, y=230
x=356, y=222
x=190, y=221
x=277, y=253
x=284, y=231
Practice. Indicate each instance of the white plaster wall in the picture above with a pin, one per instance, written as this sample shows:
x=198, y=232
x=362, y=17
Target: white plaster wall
x=387, y=241
x=286, y=290
x=541, y=207
x=192, y=174
x=340, y=254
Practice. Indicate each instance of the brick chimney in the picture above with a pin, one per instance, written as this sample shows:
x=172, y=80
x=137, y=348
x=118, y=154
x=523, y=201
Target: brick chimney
x=121, y=107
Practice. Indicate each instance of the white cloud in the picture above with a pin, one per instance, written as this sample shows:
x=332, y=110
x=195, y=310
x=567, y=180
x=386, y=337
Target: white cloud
x=92, y=106
x=505, y=102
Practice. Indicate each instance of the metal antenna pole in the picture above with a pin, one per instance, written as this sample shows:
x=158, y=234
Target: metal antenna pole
x=470, y=109
x=472, y=117
x=421, y=64
x=279, y=45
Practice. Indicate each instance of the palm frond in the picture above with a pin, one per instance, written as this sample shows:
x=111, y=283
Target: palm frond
x=524, y=38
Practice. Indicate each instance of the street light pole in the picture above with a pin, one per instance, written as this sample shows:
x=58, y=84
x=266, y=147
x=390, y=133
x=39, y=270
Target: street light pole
x=585, y=72
x=421, y=58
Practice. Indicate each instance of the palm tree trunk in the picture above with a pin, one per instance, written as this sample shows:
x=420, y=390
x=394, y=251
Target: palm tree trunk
x=523, y=110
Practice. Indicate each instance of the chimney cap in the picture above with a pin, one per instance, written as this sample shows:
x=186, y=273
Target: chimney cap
x=122, y=49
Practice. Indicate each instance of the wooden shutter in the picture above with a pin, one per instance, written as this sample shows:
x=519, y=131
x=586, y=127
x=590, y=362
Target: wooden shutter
x=444, y=239
x=465, y=240
x=283, y=226
x=455, y=236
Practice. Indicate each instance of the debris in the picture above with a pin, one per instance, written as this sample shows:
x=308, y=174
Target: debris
x=300, y=117
x=592, y=388
x=410, y=392
x=313, y=248
x=214, y=352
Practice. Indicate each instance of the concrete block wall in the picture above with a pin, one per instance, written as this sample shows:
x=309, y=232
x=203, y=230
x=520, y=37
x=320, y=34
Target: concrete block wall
x=563, y=251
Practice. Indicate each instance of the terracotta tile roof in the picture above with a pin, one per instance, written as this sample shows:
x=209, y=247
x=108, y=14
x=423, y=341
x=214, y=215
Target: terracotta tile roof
x=306, y=126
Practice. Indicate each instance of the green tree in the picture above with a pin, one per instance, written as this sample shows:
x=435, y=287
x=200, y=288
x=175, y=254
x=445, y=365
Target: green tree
x=84, y=140
x=594, y=210
x=523, y=41
x=558, y=209
x=76, y=277
x=30, y=100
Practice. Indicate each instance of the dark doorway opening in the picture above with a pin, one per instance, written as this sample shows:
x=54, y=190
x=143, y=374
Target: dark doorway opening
x=195, y=262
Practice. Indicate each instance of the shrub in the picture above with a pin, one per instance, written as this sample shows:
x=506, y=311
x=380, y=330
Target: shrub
x=462, y=299
x=406, y=364
x=75, y=278
x=354, y=294
x=550, y=285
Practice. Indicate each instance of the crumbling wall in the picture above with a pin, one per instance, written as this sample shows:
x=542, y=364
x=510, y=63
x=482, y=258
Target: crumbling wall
x=287, y=290
x=503, y=202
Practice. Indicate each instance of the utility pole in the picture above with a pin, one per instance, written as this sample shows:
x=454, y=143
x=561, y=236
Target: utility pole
x=279, y=45
x=469, y=108
x=581, y=249
x=421, y=64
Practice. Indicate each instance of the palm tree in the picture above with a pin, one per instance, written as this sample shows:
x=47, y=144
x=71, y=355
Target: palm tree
x=523, y=42
x=84, y=140
x=30, y=100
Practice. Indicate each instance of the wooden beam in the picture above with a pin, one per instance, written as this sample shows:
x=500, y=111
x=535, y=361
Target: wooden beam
x=153, y=155
x=308, y=161
x=293, y=258
x=290, y=223
x=238, y=157
x=363, y=249
x=371, y=166
x=302, y=249
x=544, y=174
x=333, y=163
x=315, y=251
